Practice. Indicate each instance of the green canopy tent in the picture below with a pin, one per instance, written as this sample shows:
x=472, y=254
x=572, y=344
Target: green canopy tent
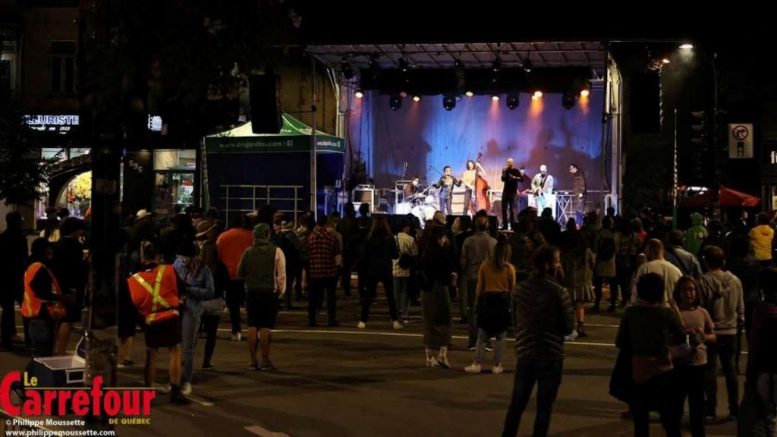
x=293, y=137
x=240, y=159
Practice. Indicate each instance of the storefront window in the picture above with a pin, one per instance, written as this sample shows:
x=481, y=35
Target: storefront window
x=174, y=180
x=76, y=196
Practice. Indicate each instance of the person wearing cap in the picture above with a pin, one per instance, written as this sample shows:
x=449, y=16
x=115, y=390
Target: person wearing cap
x=263, y=268
x=199, y=287
x=231, y=244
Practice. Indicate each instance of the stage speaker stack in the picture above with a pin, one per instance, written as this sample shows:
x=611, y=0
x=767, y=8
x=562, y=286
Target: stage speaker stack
x=363, y=194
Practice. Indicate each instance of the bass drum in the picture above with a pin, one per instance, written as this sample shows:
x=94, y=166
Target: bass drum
x=424, y=213
x=403, y=208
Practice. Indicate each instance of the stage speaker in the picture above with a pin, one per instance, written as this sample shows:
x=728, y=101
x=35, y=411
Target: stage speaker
x=644, y=103
x=265, y=104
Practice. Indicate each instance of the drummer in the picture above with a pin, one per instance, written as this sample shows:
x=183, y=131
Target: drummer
x=410, y=189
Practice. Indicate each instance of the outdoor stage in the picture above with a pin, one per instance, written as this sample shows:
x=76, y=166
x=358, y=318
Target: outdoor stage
x=412, y=110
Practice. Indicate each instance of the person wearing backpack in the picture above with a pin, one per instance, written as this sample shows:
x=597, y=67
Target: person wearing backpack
x=606, y=249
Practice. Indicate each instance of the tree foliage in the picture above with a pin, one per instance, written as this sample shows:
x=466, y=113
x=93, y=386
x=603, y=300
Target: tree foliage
x=22, y=171
x=184, y=60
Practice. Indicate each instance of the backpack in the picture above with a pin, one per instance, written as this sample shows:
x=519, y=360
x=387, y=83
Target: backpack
x=606, y=249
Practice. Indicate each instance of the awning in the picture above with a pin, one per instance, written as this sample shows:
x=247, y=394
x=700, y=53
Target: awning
x=728, y=198
x=293, y=137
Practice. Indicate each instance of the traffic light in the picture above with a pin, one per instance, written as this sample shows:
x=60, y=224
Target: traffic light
x=701, y=152
x=698, y=133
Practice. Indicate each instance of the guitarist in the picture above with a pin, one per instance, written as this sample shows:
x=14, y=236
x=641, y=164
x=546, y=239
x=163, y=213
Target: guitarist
x=542, y=188
x=511, y=176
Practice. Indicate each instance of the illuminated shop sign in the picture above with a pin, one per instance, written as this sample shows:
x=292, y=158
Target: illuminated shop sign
x=51, y=123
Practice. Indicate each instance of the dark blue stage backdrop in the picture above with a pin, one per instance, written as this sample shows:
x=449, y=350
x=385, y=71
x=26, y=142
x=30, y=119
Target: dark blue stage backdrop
x=428, y=137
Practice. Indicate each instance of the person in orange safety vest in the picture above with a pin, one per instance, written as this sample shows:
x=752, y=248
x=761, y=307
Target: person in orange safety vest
x=43, y=298
x=155, y=293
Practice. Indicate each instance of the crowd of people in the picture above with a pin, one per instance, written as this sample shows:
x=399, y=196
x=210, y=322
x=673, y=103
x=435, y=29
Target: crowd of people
x=693, y=298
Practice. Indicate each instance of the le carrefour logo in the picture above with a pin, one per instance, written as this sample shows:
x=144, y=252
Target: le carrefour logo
x=55, y=401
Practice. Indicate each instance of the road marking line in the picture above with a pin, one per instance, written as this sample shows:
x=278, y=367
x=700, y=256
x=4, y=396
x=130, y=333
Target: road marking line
x=262, y=432
x=200, y=401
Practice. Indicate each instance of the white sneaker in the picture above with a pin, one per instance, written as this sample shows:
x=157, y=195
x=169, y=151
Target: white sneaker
x=163, y=389
x=473, y=368
x=497, y=369
x=361, y=325
x=571, y=337
x=397, y=325
x=186, y=389
x=237, y=336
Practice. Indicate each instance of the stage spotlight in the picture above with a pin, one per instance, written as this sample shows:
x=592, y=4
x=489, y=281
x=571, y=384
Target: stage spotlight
x=346, y=68
x=568, y=100
x=665, y=61
x=497, y=65
x=359, y=93
x=494, y=98
x=416, y=99
x=527, y=64
x=513, y=101
x=395, y=101
x=585, y=91
x=448, y=101
x=403, y=65
x=469, y=94
x=402, y=94
x=686, y=46
x=537, y=95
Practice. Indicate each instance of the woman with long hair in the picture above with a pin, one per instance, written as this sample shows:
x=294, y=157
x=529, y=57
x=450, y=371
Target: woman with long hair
x=578, y=261
x=380, y=251
x=438, y=270
x=496, y=279
x=691, y=361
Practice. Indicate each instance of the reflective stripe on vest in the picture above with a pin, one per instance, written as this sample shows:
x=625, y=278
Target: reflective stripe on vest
x=31, y=304
x=157, y=301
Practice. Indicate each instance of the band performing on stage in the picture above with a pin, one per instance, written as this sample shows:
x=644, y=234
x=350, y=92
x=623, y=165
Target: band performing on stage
x=472, y=192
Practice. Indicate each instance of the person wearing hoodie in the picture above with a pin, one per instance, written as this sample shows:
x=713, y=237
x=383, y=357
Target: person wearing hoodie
x=263, y=268
x=681, y=258
x=761, y=238
x=721, y=295
x=695, y=235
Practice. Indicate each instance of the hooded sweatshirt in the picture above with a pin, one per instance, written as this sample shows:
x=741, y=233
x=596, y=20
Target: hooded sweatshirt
x=721, y=294
x=263, y=265
x=696, y=234
x=761, y=238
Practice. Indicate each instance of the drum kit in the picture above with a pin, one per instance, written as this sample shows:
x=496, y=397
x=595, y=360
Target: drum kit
x=422, y=205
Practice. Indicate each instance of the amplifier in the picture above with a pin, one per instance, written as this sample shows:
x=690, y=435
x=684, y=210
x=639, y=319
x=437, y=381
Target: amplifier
x=363, y=195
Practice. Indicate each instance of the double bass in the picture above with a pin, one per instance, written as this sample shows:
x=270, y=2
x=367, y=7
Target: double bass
x=481, y=187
